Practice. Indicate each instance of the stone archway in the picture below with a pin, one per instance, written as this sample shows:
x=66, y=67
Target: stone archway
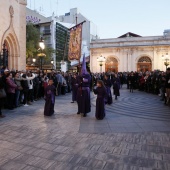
x=111, y=65
x=144, y=64
x=11, y=42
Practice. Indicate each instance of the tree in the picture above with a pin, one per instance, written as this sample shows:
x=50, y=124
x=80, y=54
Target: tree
x=32, y=40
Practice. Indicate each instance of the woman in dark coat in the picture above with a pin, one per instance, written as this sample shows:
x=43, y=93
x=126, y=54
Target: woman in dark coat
x=101, y=92
x=108, y=84
x=49, y=99
x=116, y=86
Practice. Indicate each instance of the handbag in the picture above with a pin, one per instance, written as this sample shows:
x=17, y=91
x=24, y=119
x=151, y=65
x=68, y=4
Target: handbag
x=2, y=93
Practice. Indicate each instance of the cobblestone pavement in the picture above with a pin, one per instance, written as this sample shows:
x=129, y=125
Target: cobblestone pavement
x=134, y=136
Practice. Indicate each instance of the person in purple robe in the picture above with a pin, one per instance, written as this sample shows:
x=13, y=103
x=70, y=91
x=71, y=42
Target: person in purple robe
x=108, y=84
x=83, y=93
x=74, y=84
x=49, y=99
x=101, y=92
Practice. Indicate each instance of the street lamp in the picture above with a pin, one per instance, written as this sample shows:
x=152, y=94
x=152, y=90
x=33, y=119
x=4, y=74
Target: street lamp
x=52, y=62
x=101, y=60
x=166, y=60
x=34, y=60
x=41, y=54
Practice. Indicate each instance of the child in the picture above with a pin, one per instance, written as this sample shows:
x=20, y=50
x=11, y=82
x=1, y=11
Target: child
x=49, y=99
x=101, y=92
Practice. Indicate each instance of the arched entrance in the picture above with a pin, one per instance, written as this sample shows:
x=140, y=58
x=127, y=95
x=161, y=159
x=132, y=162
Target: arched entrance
x=111, y=65
x=144, y=64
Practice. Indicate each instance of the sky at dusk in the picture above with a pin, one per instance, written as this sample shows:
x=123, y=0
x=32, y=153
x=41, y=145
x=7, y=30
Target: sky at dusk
x=114, y=17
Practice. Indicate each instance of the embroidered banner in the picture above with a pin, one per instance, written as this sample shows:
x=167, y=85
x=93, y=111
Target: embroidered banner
x=75, y=43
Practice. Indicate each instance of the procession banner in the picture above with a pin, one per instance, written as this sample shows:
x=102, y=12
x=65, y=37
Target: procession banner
x=75, y=43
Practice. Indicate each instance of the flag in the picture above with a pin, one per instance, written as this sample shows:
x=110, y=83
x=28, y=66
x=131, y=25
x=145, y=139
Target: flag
x=75, y=43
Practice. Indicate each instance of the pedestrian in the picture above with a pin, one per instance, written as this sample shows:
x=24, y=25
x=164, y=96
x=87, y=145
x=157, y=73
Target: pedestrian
x=116, y=86
x=49, y=98
x=83, y=93
x=101, y=92
x=107, y=82
x=132, y=82
x=74, y=84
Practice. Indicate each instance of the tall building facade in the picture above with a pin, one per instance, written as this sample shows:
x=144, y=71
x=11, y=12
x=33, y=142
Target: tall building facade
x=89, y=31
x=13, y=33
x=55, y=35
x=131, y=52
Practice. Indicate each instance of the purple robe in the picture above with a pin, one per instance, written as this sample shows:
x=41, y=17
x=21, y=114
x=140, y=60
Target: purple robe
x=100, y=102
x=49, y=100
x=83, y=94
x=108, y=84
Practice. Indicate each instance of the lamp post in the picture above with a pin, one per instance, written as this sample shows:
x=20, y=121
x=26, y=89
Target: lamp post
x=166, y=60
x=41, y=54
x=101, y=60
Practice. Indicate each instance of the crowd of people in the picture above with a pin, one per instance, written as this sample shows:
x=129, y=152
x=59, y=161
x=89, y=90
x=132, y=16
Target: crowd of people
x=23, y=88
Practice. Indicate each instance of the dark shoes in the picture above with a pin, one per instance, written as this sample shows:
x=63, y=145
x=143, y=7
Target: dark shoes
x=72, y=102
x=78, y=113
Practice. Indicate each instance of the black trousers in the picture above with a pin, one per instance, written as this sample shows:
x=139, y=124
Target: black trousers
x=131, y=87
x=25, y=92
x=30, y=95
x=11, y=97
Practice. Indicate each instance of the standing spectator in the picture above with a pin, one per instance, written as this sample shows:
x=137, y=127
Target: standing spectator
x=18, y=80
x=74, y=84
x=121, y=80
x=11, y=87
x=167, y=86
x=30, y=78
x=116, y=86
x=1, y=97
x=36, y=84
x=25, y=86
x=132, y=82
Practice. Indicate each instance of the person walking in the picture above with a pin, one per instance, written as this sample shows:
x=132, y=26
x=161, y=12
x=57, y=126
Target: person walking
x=83, y=93
x=49, y=97
x=101, y=92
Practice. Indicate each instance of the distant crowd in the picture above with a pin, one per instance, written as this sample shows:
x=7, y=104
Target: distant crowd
x=23, y=88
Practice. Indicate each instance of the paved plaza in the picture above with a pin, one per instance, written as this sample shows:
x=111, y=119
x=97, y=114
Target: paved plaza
x=135, y=135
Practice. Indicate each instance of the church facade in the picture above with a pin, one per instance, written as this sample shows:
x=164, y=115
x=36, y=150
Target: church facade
x=13, y=34
x=131, y=52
